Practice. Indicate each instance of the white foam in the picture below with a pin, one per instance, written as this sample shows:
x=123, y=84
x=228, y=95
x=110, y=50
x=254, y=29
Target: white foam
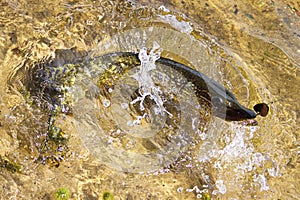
x=182, y=26
x=221, y=186
x=261, y=179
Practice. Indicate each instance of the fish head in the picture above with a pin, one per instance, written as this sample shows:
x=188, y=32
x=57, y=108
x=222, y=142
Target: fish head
x=226, y=106
x=230, y=109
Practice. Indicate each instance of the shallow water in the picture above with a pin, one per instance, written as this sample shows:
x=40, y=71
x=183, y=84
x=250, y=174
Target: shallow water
x=253, y=49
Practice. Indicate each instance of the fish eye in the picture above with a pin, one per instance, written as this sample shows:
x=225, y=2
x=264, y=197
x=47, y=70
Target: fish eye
x=217, y=101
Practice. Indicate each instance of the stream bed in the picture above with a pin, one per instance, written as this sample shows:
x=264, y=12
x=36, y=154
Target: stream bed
x=74, y=123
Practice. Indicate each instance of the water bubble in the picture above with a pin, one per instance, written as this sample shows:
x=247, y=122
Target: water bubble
x=124, y=105
x=180, y=189
x=130, y=123
x=106, y=103
x=195, y=123
x=221, y=186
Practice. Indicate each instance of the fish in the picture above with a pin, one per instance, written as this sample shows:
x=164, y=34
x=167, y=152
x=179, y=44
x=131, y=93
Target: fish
x=223, y=103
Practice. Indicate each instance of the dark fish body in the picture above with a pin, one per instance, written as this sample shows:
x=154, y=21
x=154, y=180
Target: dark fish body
x=223, y=103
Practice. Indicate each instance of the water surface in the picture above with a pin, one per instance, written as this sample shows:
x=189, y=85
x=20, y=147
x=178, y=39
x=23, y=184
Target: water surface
x=252, y=49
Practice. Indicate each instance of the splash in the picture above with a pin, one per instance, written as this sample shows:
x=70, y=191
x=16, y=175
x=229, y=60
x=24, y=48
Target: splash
x=237, y=160
x=181, y=25
x=146, y=84
x=131, y=111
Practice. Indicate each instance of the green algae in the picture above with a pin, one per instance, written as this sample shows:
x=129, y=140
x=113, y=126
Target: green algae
x=62, y=194
x=54, y=148
x=107, y=196
x=205, y=196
